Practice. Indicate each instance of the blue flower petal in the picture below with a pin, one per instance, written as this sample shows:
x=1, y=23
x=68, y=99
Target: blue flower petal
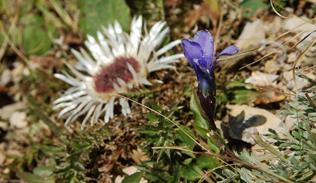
x=192, y=50
x=230, y=50
x=206, y=42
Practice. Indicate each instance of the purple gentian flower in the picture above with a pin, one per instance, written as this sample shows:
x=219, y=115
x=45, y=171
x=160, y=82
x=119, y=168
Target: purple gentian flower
x=200, y=52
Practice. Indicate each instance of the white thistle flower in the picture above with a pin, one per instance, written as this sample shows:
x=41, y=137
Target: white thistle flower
x=112, y=65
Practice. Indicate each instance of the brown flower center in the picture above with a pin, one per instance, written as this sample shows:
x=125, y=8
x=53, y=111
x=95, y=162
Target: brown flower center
x=109, y=74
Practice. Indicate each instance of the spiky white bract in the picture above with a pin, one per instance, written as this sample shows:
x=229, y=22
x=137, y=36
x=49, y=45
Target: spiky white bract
x=113, y=63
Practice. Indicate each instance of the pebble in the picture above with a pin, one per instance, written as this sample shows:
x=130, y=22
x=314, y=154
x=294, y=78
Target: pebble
x=18, y=120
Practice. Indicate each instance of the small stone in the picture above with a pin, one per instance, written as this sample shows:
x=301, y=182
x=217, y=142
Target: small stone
x=130, y=170
x=261, y=79
x=290, y=122
x=7, y=111
x=119, y=179
x=5, y=77
x=271, y=67
x=295, y=84
x=3, y=125
x=18, y=120
x=252, y=35
x=291, y=57
x=17, y=72
x=2, y=158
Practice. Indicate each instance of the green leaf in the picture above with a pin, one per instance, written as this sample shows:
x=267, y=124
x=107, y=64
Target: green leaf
x=152, y=117
x=134, y=178
x=200, y=123
x=187, y=161
x=182, y=135
x=189, y=173
x=98, y=13
x=150, y=9
x=43, y=171
x=34, y=38
x=176, y=174
x=31, y=178
x=53, y=150
x=244, y=96
x=251, y=6
x=207, y=162
x=212, y=146
x=149, y=132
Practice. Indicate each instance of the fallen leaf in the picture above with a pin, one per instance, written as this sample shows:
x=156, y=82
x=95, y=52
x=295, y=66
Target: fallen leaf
x=208, y=8
x=106, y=167
x=45, y=62
x=3, y=89
x=172, y=3
x=71, y=39
x=139, y=156
x=269, y=94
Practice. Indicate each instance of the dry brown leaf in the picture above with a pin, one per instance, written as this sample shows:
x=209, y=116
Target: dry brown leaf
x=3, y=89
x=266, y=87
x=72, y=39
x=172, y=3
x=208, y=8
x=139, y=156
x=269, y=94
x=45, y=62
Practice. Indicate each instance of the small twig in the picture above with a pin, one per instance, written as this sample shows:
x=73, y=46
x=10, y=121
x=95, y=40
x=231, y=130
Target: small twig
x=210, y=172
x=256, y=61
x=64, y=16
x=300, y=56
x=310, y=100
x=218, y=29
x=303, y=39
x=268, y=147
x=3, y=49
x=24, y=59
x=279, y=14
